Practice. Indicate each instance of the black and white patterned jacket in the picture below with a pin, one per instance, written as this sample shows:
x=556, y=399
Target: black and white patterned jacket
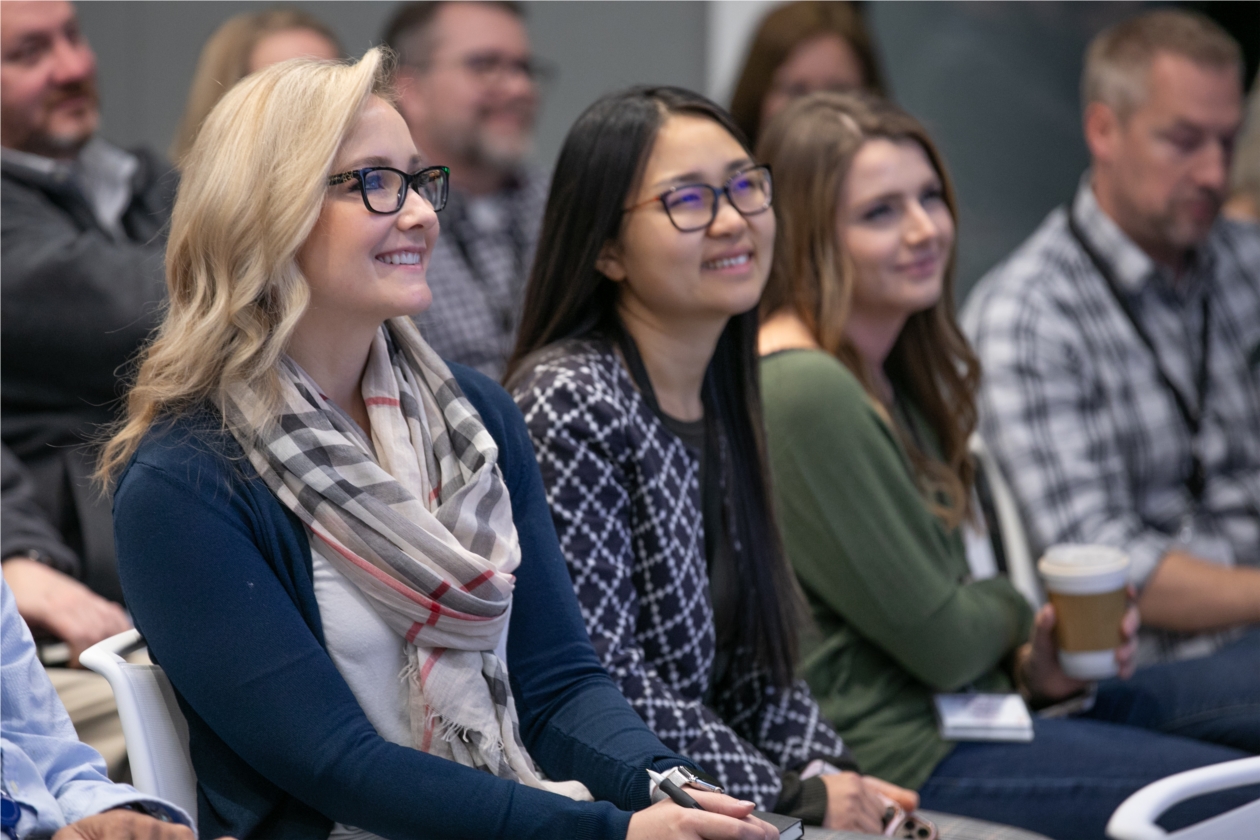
x=625, y=496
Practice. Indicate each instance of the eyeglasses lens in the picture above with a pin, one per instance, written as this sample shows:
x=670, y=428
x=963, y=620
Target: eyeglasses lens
x=750, y=191
x=432, y=185
x=383, y=188
x=691, y=208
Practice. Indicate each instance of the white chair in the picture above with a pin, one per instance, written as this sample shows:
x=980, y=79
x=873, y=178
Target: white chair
x=1135, y=818
x=1020, y=567
x=153, y=725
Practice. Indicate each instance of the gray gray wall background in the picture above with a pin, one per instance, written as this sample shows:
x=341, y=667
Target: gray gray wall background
x=147, y=51
x=995, y=82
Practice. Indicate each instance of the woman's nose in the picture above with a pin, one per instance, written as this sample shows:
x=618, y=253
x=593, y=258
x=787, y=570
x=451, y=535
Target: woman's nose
x=920, y=226
x=416, y=211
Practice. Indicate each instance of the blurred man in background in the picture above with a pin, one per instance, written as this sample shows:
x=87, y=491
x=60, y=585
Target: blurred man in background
x=1121, y=344
x=81, y=283
x=468, y=88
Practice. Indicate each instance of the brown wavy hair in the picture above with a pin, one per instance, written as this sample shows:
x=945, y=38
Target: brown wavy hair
x=811, y=146
x=780, y=32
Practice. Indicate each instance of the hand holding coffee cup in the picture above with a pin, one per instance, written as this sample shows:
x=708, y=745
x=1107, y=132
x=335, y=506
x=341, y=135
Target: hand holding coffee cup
x=1088, y=586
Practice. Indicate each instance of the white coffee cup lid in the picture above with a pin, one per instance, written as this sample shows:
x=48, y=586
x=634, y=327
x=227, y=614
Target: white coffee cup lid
x=1084, y=569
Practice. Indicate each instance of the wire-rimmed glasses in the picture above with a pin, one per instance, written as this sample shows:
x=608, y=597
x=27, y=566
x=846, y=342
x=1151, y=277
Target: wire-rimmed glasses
x=384, y=188
x=693, y=207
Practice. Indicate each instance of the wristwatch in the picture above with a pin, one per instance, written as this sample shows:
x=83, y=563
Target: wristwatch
x=682, y=777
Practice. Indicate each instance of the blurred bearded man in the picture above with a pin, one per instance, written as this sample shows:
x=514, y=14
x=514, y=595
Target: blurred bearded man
x=81, y=283
x=468, y=88
x=1121, y=349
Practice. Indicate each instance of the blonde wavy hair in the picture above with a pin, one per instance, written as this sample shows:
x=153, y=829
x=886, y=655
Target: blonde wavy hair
x=251, y=191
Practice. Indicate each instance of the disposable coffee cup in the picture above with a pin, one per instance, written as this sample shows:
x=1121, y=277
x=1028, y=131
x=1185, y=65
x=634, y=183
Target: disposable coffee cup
x=1086, y=584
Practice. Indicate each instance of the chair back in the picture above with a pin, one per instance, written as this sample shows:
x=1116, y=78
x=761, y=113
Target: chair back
x=152, y=723
x=1136, y=816
x=1020, y=565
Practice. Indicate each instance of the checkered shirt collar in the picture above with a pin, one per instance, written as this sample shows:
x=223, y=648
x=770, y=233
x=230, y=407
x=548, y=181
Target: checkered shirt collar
x=1132, y=267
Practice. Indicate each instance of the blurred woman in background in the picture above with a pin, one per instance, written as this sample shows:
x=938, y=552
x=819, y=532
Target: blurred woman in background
x=870, y=398
x=244, y=44
x=799, y=48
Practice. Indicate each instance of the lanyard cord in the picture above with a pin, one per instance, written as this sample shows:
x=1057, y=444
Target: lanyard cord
x=1196, y=481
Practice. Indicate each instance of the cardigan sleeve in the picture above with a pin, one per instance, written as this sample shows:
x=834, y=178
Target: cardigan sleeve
x=194, y=539
x=579, y=433
x=860, y=537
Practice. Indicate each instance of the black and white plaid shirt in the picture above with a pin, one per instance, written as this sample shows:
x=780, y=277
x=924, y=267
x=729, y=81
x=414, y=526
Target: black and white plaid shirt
x=1073, y=407
x=478, y=273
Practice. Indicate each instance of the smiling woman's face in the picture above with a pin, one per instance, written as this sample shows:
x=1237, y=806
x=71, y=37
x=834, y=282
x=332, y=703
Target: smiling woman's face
x=362, y=266
x=709, y=274
x=896, y=228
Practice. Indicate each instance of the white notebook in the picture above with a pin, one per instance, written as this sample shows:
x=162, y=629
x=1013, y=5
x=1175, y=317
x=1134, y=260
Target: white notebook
x=976, y=716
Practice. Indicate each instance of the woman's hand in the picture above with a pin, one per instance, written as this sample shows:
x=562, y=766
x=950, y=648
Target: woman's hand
x=723, y=818
x=854, y=802
x=1037, y=663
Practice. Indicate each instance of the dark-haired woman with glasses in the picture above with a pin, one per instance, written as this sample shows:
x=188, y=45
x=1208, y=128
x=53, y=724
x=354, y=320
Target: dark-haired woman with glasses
x=636, y=372
x=337, y=545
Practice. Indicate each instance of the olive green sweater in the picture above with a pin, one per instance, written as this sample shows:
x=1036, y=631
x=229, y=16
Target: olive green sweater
x=898, y=616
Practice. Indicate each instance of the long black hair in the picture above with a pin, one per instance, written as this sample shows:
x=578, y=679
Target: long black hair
x=601, y=163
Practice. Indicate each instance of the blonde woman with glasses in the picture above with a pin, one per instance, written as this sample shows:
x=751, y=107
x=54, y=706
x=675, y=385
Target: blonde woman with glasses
x=337, y=545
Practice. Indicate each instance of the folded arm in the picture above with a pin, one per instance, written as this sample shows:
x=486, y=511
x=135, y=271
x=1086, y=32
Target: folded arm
x=1051, y=427
x=863, y=541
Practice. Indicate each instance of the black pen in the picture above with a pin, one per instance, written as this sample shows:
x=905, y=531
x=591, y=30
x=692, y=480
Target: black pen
x=673, y=791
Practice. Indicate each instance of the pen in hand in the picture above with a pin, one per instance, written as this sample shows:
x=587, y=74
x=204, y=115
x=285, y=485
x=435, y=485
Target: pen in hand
x=673, y=791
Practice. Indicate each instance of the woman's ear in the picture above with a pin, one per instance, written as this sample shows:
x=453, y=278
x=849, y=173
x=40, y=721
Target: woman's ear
x=608, y=263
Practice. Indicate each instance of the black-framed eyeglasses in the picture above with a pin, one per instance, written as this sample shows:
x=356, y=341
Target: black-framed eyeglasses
x=384, y=188
x=493, y=67
x=693, y=207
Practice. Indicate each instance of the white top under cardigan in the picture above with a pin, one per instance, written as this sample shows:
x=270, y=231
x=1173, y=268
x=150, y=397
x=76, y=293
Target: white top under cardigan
x=370, y=656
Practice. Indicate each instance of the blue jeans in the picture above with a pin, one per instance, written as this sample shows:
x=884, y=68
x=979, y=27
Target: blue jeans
x=1216, y=698
x=1076, y=772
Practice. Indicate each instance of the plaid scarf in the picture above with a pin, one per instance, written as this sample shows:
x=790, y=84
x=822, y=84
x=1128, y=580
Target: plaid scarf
x=424, y=530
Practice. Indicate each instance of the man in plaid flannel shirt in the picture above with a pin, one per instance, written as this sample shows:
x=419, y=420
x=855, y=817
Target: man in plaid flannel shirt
x=468, y=88
x=1096, y=414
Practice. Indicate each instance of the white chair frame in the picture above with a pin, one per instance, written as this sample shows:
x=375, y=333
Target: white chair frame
x=1135, y=818
x=1020, y=565
x=153, y=725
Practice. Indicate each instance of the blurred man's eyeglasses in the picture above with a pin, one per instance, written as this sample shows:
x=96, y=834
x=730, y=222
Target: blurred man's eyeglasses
x=492, y=68
x=384, y=188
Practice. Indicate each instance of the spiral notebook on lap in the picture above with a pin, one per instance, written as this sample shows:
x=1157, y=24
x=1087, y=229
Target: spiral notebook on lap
x=790, y=828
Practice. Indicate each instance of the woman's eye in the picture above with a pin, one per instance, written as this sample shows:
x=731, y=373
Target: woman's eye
x=373, y=181
x=877, y=213
x=933, y=195
x=680, y=199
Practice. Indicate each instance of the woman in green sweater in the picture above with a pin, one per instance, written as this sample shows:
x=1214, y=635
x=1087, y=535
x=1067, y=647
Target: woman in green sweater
x=869, y=390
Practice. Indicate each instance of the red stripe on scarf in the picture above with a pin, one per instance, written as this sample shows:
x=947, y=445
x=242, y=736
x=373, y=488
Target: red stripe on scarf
x=440, y=591
x=381, y=401
x=411, y=594
x=478, y=580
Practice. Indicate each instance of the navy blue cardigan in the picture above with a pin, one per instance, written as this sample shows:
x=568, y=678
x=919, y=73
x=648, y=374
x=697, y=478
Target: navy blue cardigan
x=217, y=574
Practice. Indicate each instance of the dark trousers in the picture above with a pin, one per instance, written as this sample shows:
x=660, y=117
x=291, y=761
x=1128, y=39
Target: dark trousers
x=1067, y=782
